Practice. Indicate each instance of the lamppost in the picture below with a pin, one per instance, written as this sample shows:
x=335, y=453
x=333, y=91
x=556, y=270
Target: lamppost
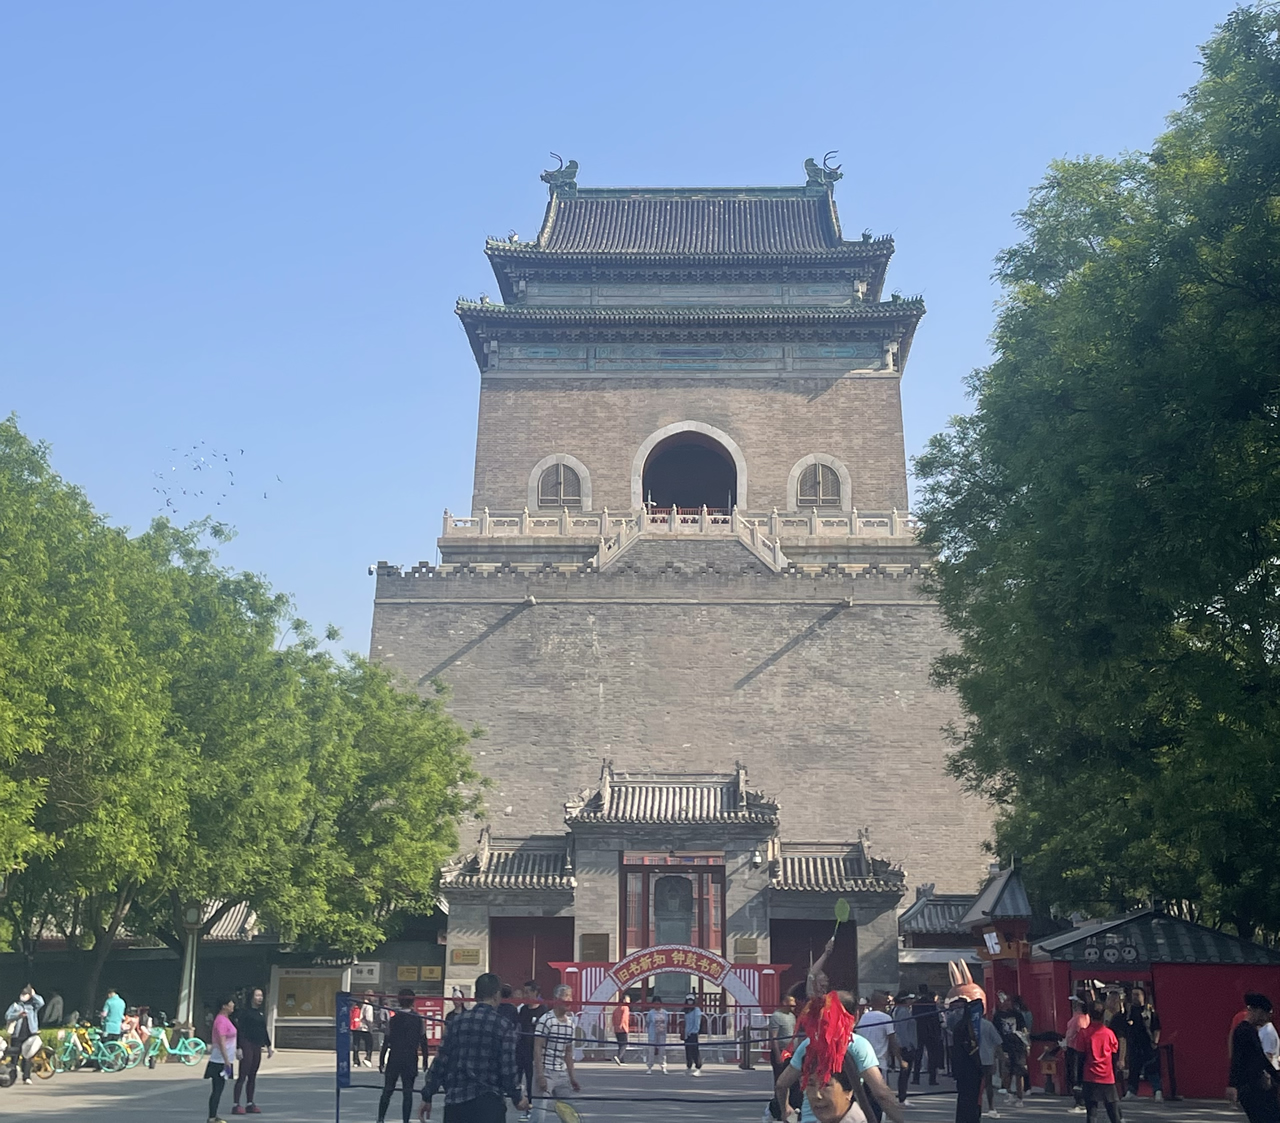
x=192, y=915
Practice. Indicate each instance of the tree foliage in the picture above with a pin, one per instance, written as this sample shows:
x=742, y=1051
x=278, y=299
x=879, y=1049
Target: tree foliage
x=1108, y=516
x=169, y=733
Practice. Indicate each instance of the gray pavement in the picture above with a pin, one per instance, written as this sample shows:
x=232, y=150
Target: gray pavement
x=297, y=1086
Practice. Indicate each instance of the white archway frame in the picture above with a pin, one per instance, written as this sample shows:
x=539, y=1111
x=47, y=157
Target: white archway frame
x=584, y=478
x=707, y=965
x=718, y=435
x=793, y=480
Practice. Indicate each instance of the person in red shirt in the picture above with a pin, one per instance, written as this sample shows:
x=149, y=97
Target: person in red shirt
x=1098, y=1045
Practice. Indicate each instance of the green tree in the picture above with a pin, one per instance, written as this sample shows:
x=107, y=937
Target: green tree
x=84, y=780
x=169, y=733
x=1108, y=517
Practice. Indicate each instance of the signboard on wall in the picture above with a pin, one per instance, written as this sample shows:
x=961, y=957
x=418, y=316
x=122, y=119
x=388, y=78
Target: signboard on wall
x=431, y=974
x=366, y=974
x=465, y=957
x=307, y=993
x=406, y=974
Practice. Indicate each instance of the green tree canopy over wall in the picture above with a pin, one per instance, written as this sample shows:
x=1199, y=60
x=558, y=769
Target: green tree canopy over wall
x=169, y=733
x=1108, y=517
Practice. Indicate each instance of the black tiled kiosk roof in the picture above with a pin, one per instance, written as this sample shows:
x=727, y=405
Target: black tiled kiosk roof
x=1148, y=936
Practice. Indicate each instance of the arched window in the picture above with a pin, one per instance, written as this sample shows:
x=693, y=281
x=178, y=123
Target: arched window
x=819, y=487
x=559, y=486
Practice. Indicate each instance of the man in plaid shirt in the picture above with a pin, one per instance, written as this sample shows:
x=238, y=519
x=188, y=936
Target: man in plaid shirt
x=476, y=1064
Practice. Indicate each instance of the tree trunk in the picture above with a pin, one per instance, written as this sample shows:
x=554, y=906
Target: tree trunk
x=103, y=942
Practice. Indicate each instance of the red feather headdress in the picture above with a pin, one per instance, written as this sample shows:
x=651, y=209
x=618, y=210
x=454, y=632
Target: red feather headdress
x=828, y=1040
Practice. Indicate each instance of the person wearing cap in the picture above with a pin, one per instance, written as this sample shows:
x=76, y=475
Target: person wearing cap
x=459, y=1004
x=904, y=1029
x=1074, y=1058
x=691, y=1032
x=1251, y=1083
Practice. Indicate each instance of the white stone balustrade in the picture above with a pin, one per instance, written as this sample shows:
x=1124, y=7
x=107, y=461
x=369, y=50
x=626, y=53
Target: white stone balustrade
x=816, y=523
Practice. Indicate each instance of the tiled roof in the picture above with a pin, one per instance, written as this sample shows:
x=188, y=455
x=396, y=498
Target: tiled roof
x=1004, y=897
x=835, y=870
x=662, y=315
x=671, y=798
x=521, y=867
x=1147, y=936
x=239, y=922
x=936, y=914
x=692, y=221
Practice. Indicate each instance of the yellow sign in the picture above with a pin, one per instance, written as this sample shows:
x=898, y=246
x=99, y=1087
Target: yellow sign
x=465, y=957
x=431, y=974
x=407, y=974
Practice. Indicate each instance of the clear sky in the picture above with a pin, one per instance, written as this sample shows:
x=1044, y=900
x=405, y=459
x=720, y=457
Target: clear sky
x=245, y=223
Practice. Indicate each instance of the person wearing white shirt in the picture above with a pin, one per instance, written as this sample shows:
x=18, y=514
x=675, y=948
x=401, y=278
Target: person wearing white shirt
x=1270, y=1041
x=876, y=1025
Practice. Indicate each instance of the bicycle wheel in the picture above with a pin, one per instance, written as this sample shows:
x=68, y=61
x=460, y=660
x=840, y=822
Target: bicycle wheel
x=112, y=1056
x=193, y=1051
x=68, y=1059
x=134, y=1050
x=42, y=1066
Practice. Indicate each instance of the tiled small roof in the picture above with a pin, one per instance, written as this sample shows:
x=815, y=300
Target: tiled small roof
x=936, y=914
x=1148, y=936
x=1004, y=897
x=839, y=869
x=522, y=866
x=692, y=221
x=239, y=922
x=655, y=797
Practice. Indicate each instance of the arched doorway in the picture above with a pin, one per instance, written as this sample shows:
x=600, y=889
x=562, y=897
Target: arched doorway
x=690, y=470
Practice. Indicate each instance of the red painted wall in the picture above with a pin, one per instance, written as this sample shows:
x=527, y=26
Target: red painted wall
x=1196, y=1003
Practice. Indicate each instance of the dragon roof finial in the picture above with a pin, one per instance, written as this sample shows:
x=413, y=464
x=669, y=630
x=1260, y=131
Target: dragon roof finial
x=562, y=180
x=825, y=176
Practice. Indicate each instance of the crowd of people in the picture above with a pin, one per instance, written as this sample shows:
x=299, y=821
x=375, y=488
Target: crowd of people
x=237, y=1037
x=496, y=1050
x=833, y=1056
x=511, y=1045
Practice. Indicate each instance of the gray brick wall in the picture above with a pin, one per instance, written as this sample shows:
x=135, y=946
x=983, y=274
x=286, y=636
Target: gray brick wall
x=776, y=421
x=692, y=655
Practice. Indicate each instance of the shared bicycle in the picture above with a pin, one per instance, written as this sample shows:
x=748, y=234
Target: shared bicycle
x=189, y=1050
x=83, y=1045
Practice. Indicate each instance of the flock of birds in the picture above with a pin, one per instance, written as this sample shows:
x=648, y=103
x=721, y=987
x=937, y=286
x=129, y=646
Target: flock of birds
x=177, y=488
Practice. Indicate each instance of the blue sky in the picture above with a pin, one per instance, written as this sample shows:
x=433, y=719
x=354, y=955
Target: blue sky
x=245, y=224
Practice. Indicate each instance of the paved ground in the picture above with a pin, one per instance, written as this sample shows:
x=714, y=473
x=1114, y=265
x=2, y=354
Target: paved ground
x=297, y=1087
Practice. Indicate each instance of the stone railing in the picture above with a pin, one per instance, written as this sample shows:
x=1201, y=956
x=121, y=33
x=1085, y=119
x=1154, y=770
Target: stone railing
x=815, y=523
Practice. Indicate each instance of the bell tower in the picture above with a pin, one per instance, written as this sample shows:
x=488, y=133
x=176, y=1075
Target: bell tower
x=688, y=547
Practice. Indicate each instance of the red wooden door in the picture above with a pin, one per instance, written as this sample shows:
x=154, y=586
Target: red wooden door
x=520, y=947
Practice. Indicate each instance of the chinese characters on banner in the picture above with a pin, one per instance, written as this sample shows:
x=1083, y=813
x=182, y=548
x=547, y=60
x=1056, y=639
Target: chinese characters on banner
x=671, y=957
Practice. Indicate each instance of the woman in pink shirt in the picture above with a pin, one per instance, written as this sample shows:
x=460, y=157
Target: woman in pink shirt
x=222, y=1056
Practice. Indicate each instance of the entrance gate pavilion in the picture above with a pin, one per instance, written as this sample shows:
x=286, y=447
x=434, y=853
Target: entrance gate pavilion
x=748, y=992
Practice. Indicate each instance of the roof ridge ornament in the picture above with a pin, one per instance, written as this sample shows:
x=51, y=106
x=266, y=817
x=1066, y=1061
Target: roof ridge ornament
x=562, y=180
x=822, y=178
